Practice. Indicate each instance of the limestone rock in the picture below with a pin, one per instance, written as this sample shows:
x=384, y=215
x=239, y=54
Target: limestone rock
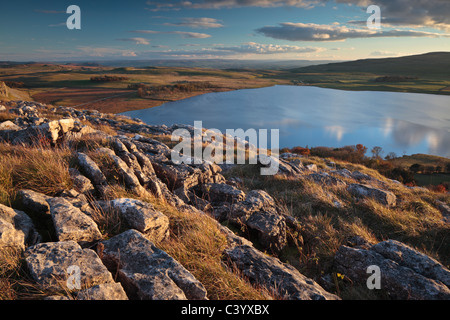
x=49, y=264
x=405, y=273
x=274, y=275
x=9, y=126
x=271, y=229
x=71, y=223
x=221, y=192
x=104, y=291
x=363, y=190
x=91, y=169
x=33, y=201
x=81, y=183
x=16, y=229
x=143, y=217
x=148, y=273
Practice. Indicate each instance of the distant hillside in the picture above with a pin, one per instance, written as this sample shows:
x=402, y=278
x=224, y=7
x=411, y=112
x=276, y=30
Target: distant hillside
x=433, y=64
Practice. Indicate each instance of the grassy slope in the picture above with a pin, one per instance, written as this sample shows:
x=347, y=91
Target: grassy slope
x=71, y=86
x=432, y=70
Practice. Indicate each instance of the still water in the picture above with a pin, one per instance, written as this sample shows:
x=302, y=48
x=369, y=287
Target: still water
x=404, y=123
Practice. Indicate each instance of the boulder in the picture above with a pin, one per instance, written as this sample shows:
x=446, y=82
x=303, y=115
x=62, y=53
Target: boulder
x=271, y=229
x=130, y=179
x=71, y=223
x=9, y=126
x=221, y=192
x=81, y=183
x=91, y=169
x=404, y=272
x=148, y=273
x=413, y=259
x=269, y=272
x=325, y=179
x=363, y=190
x=16, y=229
x=143, y=217
x=104, y=291
x=49, y=265
x=32, y=201
x=53, y=131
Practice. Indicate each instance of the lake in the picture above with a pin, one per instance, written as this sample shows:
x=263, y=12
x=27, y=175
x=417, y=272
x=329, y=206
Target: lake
x=404, y=123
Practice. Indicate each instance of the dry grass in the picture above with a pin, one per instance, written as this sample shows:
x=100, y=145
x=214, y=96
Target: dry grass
x=38, y=168
x=415, y=220
x=197, y=243
x=14, y=281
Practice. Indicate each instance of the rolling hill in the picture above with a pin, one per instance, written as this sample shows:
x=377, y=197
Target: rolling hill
x=428, y=65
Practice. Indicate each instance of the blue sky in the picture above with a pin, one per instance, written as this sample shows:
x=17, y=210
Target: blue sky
x=222, y=29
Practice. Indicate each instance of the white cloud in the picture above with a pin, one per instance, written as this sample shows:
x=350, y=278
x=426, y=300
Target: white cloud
x=430, y=13
x=105, y=52
x=334, y=32
x=247, y=50
x=136, y=40
x=183, y=34
x=257, y=48
x=201, y=23
x=384, y=54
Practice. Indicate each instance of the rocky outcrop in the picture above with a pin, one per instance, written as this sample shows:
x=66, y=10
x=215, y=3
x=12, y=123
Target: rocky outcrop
x=104, y=291
x=51, y=264
x=143, y=217
x=34, y=201
x=363, y=190
x=147, y=272
x=71, y=223
x=16, y=229
x=405, y=272
x=277, y=277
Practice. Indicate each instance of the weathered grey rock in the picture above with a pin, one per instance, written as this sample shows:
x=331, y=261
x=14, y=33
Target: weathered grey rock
x=413, y=259
x=130, y=179
x=271, y=229
x=53, y=131
x=49, y=264
x=71, y=223
x=91, y=169
x=33, y=201
x=148, y=273
x=271, y=273
x=9, y=126
x=143, y=217
x=361, y=176
x=363, y=190
x=81, y=183
x=221, y=192
x=397, y=279
x=16, y=229
x=104, y=291
x=445, y=210
x=260, y=199
x=57, y=298
x=150, y=180
x=325, y=179
x=311, y=167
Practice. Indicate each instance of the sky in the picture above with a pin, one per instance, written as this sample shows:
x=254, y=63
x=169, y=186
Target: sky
x=222, y=29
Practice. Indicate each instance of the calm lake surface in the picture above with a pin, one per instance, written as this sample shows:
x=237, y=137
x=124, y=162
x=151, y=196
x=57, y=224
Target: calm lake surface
x=404, y=123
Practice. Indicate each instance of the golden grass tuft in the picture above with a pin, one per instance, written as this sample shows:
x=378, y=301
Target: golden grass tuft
x=41, y=169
